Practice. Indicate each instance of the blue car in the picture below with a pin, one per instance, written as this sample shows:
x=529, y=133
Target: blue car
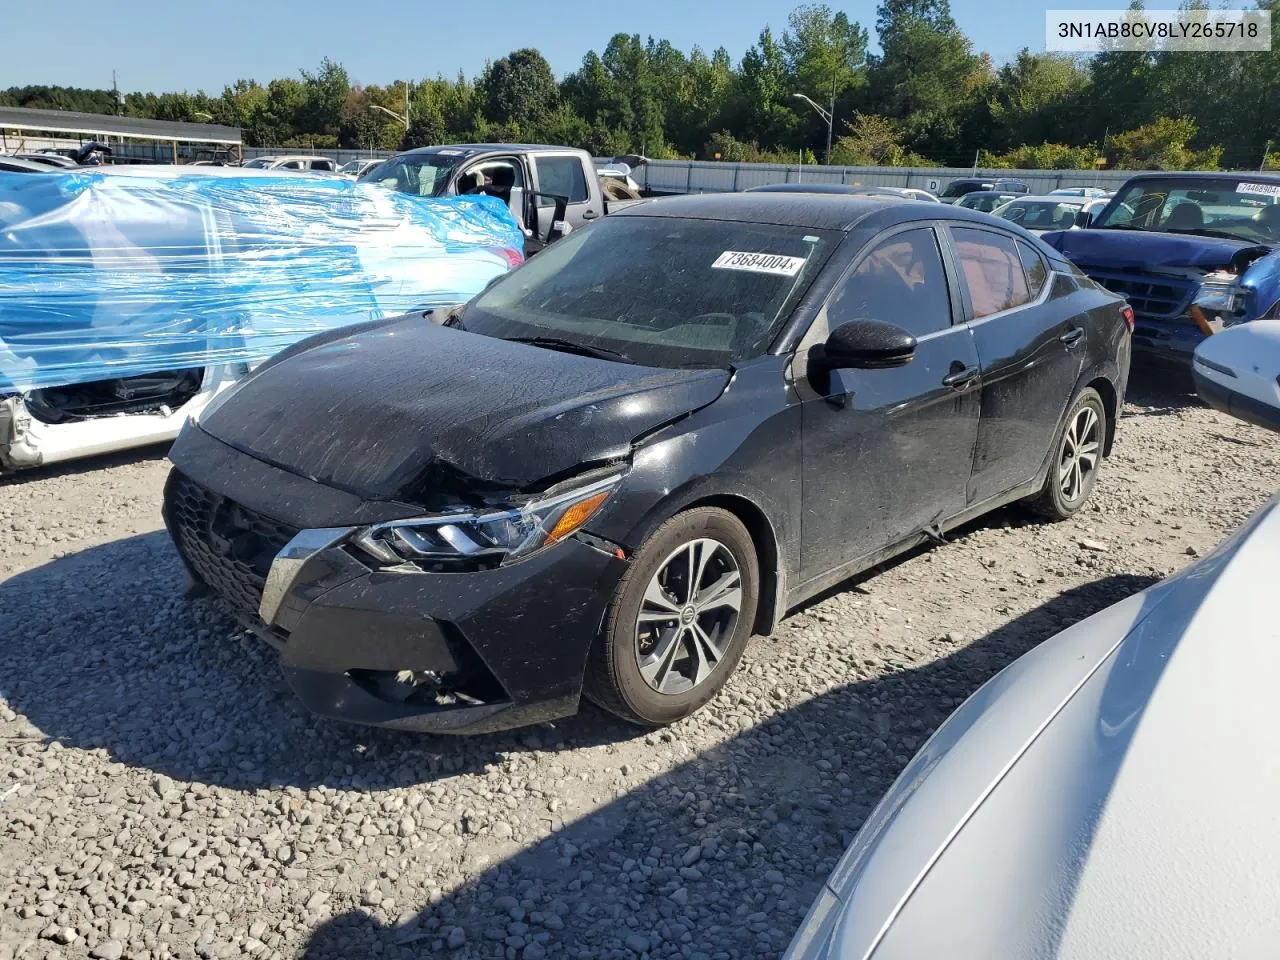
x=1191, y=252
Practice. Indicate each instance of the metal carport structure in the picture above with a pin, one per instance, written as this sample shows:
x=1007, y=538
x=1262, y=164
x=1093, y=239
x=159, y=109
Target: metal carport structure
x=65, y=123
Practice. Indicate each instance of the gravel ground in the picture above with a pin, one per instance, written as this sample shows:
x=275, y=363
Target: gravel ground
x=165, y=796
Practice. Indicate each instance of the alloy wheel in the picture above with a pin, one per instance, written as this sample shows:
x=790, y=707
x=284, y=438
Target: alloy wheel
x=1078, y=459
x=688, y=616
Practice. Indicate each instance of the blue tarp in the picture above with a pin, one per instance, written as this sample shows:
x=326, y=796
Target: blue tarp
x=123, y=272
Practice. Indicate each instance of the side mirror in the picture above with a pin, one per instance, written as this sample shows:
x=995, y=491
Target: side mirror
x=867, y=345
x=1084, y=219
x=1236, y=371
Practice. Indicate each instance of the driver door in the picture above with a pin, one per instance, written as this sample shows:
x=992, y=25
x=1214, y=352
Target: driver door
x=888, y=453
x=505, y=179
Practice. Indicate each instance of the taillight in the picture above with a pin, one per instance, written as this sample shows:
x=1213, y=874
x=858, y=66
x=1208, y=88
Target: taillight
x=514, y=257
x=1127, y=312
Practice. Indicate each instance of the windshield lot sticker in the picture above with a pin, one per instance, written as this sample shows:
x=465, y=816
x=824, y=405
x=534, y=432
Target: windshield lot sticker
x=1265, y=189
x=774, y=263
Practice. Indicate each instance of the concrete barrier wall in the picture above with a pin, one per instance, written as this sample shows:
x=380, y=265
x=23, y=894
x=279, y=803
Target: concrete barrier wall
x=702, y=176
x=689, y=176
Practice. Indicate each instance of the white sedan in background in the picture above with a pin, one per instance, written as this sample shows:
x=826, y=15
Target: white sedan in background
x=1238, y=371
x=355, y=169
x=1114, y=793
x=1042, y=214
x=1079, y=192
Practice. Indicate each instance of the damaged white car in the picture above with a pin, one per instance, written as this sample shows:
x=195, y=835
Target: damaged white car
x=130, y=297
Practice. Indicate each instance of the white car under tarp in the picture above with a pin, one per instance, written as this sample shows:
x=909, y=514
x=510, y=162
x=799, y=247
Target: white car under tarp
x=130, y=296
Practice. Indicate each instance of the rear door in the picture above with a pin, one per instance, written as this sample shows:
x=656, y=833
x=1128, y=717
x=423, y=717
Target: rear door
x=1031, y=348
x=564, y=175
x=887, y=453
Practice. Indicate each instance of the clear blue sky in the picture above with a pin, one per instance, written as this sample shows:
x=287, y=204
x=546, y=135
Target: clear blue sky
x=205, y=44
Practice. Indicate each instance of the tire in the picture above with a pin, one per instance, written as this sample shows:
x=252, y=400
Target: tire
x=660, y=671
x=1085, y=430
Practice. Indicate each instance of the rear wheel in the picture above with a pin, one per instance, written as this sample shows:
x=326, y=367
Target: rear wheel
x=1078, y=455
x=680, y=620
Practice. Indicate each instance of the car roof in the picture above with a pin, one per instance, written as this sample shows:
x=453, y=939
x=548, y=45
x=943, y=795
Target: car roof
x=1210, y=175
x=844, y=189
x=19, y=165
x=43, y=157
x=819, y=211
x=1051, y=197
x=470, y=149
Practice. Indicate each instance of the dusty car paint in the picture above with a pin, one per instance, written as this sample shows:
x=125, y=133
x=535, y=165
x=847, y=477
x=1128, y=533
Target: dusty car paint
x=830, y=472
x=433, y=423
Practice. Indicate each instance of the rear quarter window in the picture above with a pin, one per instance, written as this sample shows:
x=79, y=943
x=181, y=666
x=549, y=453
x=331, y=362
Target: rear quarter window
x=1034, y=266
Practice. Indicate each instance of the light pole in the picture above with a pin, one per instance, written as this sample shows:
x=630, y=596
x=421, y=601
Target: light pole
x=391, y=113
x=827, y=115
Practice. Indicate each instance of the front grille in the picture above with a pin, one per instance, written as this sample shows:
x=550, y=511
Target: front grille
x=1150, y=296
x=227, y=545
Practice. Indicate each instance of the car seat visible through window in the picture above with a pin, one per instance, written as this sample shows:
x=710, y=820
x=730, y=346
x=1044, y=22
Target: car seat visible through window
x=1185, y=216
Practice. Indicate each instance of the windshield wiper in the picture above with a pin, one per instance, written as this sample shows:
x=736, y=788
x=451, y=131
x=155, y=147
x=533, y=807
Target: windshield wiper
x=569, y=346
x=452, y=317
x=1202, y=232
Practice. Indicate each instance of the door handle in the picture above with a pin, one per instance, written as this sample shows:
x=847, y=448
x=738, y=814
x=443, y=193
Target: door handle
x=1072, y=336
x=589, y=215
x=960, y=377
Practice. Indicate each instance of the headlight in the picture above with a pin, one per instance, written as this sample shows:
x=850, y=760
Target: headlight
x=450, y=540
x=1218, y=296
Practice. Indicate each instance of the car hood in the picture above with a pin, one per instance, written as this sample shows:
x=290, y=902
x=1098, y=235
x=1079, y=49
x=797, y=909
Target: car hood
x=1146, y=251
x=412, y=411
x=1106, y=795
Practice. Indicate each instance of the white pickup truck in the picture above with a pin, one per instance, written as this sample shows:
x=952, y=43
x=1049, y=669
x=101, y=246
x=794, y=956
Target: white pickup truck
x=550, y=190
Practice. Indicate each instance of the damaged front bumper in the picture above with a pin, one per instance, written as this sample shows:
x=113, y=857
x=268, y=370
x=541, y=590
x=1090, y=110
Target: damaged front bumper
x=447, y=652
x=1176, y=310
x=27, y=440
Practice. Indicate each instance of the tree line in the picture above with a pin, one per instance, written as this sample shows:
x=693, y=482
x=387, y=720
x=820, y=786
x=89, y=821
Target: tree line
x=927, y=98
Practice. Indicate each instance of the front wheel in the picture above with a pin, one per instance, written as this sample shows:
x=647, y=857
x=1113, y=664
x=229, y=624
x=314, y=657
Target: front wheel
x=1078, y=455
x=680, y=620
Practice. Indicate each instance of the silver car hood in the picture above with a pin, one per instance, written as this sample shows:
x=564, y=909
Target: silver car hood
x=1114, y=793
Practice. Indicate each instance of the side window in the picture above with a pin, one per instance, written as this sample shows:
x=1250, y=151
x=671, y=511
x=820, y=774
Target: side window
x=562, y=176
x=901, y=281
x=1036, y=270
x=499, y=175
x=291, y=165
x=992, y=271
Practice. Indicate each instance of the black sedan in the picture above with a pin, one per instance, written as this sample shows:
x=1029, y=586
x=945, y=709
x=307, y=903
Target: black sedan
x=624, y=458
x=904, y=193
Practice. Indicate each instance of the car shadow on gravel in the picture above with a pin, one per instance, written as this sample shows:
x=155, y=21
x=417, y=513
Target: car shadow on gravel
x=722, y=855
x=99, y=651
x=1161, y=392
x=72, y=468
